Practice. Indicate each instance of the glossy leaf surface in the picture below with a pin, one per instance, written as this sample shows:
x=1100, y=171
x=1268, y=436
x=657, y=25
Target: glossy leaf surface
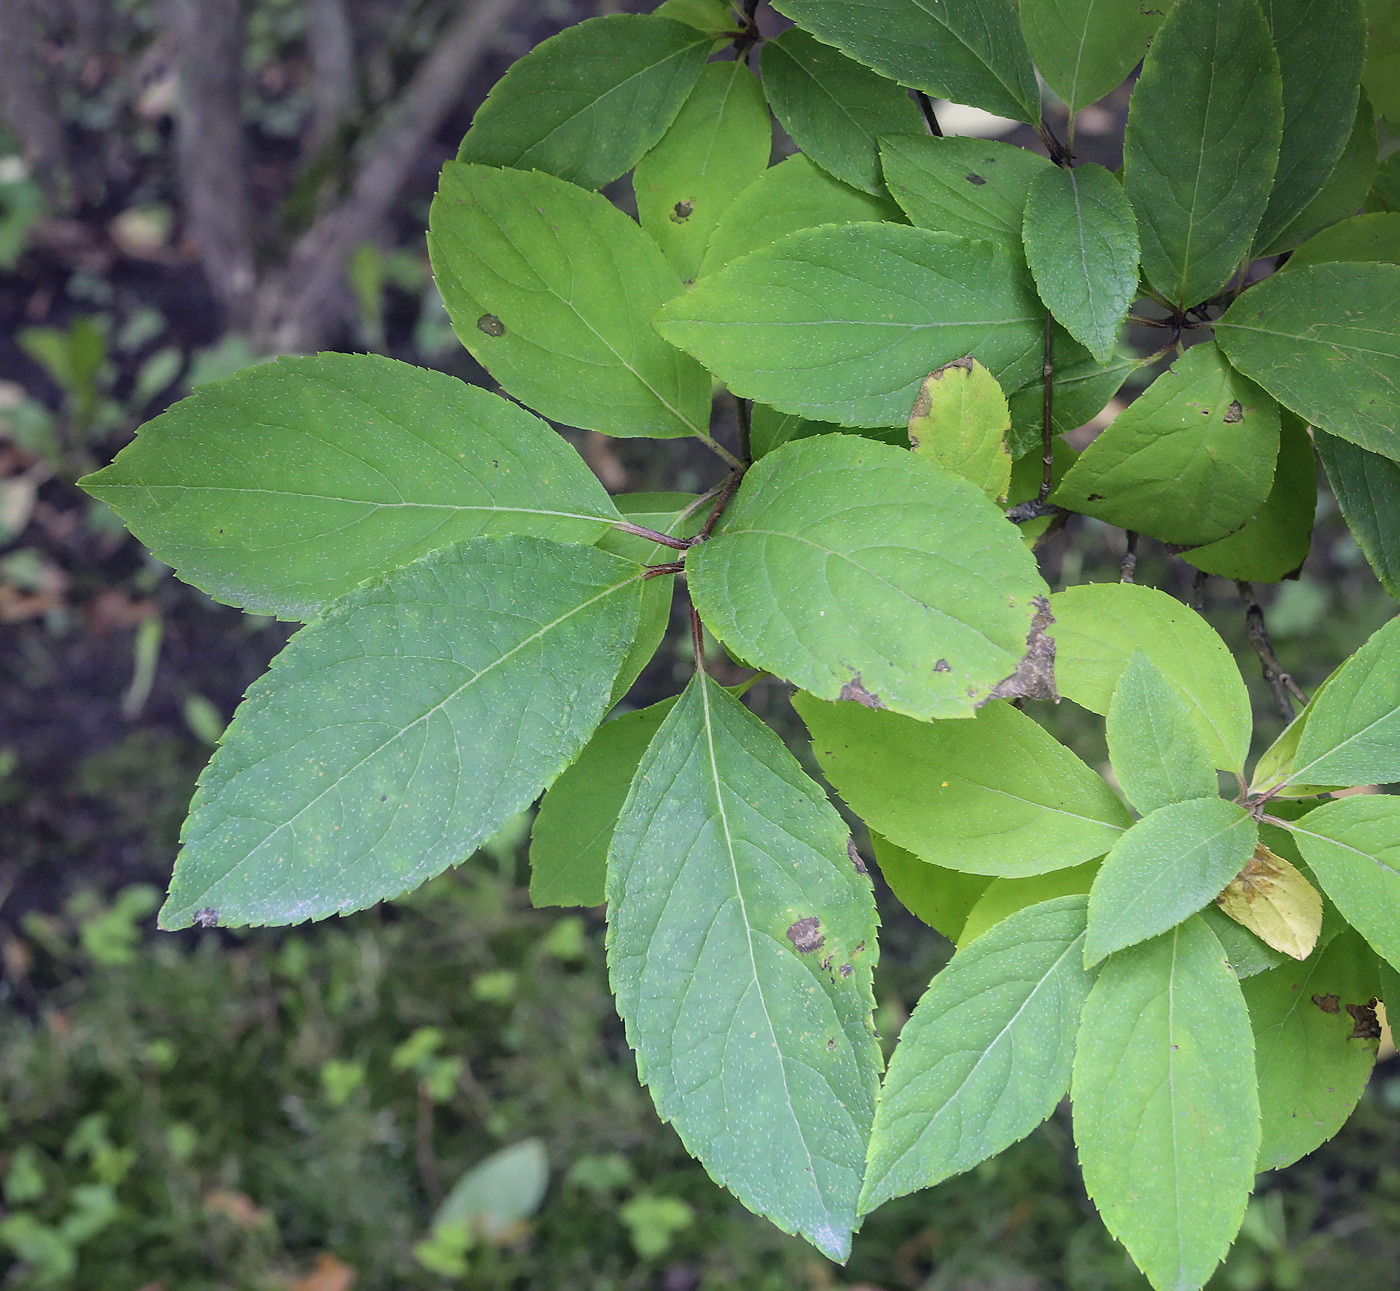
x=1085, y=48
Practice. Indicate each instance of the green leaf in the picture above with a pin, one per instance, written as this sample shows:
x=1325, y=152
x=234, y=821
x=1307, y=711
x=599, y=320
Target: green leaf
x=1004, y=897
x=1353, y=847
x=1382, y=73
x=1169, y=865
x=1202, y=144
x=1166, y=1109
x=402, y=729
x=741, y=940
x=1390, y=989
x=1274, y=544
x=1321, y=45
x=1189, y=461
x=585, y=105
x=1274, y=900
x=493, y=1196
x=1383, y=195
x=714, y=17
x=1367, y=488
x=1085, y=48
x=1155, y=744
x=997, y=795
x=1246, y=953
x=574, y=826
x=1325, y=341
x=770, y=429
x=290, y=483
x=970, y=51
x=941, y=898
x=834, y=108
x=715, y=148
x=960, y=421
x=1352, y=735
x=842, y=324
x=921, y=603
x=1346, y=187
x=1361, y=238
x=975, y=188
x=1082, y=246
x=794, y=194
x=1080, y=390
x=552, y=289
x=1099, y=625
x=985, y=1056
x=1311, y=1068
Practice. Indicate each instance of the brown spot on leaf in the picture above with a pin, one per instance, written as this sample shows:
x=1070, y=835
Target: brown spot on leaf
x=682, y=211
x=1034, y=677
x=1234, y=413
x=1366, y=1025
x=207, y=918
x=806, y=935
x=855, y=856
x=855, y=690
x=847, y=970
x=1096, y=497
x=975, y=179
x=943, y=666
x=491, y=325
x=831, y=1045
x=1328, y=1003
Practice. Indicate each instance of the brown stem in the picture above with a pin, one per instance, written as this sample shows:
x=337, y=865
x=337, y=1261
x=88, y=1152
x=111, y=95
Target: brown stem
x=1130, y=557
x=641, y=531
x=1047, y=428
x=744, y=416
x=1280, y=682
x=670, y=567
x=721, y=501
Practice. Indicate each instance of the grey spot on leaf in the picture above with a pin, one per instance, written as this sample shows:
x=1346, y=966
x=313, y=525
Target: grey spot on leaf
x=855, y=690
x=806, y=935
x=1034, y=677
x=1366, y=1025
x=975, y=179
x=1234, y=413
x=207, y=918
x=855, y=856
x=1328, y=1003
x=942, y=666
x=681, y=212
x=846, y=970
x=491, y=325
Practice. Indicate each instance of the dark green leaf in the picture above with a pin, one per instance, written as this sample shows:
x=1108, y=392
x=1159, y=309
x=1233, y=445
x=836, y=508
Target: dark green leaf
x=1367, y=487
x=1246, y=954
x=834, y=108
x=1085, y=48
x=1321, y=45
x=553, y=289
x=970, y=51
x=715, y=148
x=770, y=429
x=1157, y=749
x=1361, y=238
x=921, y=603
x=587, y=103
x=1384, y=194
x=741, y=940
x=975, y=188
x=1202, y=144
x=1169, y=865
x=713, y=17
x=794, y=194
x=574, y=826
x=941, y=898
x=985, y=1056
x=404, y=728
x=1166, y=1108
x=842, y=324
x=1082, y=246
x=1382, y=74
x=1274, y=544
x=292, y=482
x=995, y=795
x=1312, y=1068
x=1325, y=341
x=1081, y=390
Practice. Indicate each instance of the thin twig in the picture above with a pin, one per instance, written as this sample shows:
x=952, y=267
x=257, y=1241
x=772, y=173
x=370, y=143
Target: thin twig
x=930, y=117
x=1130, y=558
x=744, y=417
x=721, y=501
x=641, y=531
x=670, y=567
x=1047, y=426
x=1034, y=510
x=1279, y=680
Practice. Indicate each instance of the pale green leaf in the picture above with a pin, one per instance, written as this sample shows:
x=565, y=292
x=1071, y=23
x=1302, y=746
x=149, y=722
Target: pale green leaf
x=794, y=194
x=1247, y=955
x=1166, y=1107
x=921, y=602
x=1004, y=897
x=941, y=898
x=1353, y=847
x=1099, y=625
x=1274, y=543
x=997, y=795
x=574, y=826
x=1362, y=238
x=403, y=729
x=960, y=421
x=975, y=188
x=1189, y=461
x=493, y=1196
x=1312, y=1068
x=715, y=148
x=1082, y=247
x=741, y=940
x=1168, y=866
x=1085, y=48
x=985, y=1056
x=834, y=108
x=970, y=51
x=842, y=324
x=1155, y=744
x=1202, y=144
x=1321, y=45
x=290, y=483
x=1325, y=341
x=586, y=104
x=552, y=289
x=1367, y=489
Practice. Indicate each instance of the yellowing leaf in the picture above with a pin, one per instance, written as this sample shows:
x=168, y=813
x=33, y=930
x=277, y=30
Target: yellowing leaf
x=960, y=420
x=1274, y=901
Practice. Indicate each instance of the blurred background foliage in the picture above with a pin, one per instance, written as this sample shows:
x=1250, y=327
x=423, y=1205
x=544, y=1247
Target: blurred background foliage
x=437, y=1092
